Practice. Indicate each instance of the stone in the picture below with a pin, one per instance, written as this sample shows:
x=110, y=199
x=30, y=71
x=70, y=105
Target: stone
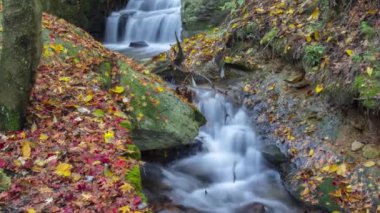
x=370, y=151
x=138, y=44
x=295, y=77
x=89, y=14
x=356, y=145
x=160, y=120
x=273, y=154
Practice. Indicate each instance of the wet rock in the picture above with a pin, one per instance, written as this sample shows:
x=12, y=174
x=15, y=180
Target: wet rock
x=295, y=77
x=273, y=154
x=370, y=151
x=160, y=120
x=355, y=146
x=300, y=85
x=251, y=208
x=138, y=44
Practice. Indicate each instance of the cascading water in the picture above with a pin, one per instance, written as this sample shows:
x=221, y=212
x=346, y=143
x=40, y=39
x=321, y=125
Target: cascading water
x=153, y=22
x=230, y=175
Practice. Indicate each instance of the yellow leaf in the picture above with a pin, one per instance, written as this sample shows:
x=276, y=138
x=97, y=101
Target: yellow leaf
x=326, y=168
x=159, y=89
x=329, y=39
x=126, y=187
x=311, y=152
x=316, y=35
x=259, y=10
x=118, y=89
x=125, y=209
x=342, y=170
x=43, y=137
x=292, y=26
x=57, y=47
x=372, y=12
x=369, y=71
x=335, y=212
x=315, y=14
x=333, y=168
x=31, y=210
x=63, y=169
x=349, y=52
x=228, y=59
x=88, y=98
x=319, y=88
x=108, y=136
x=25, y=149
x=65, y=79
x=290, y=11
x=369, y=164
x=308, y=38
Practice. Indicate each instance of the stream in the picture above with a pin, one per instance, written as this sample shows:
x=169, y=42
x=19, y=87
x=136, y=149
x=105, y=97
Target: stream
x=229, y=174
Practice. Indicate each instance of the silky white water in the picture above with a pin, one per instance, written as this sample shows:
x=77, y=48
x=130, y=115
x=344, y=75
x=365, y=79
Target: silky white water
x=152, y=21
x=230, y=174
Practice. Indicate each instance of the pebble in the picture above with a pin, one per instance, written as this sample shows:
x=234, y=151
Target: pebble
x=355, y=146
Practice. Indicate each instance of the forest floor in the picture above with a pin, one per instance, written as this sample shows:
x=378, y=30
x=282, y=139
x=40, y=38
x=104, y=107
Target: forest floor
x=73, y=154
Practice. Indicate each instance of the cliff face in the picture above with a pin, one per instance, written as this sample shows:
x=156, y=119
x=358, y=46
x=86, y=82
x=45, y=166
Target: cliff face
x=89, y=15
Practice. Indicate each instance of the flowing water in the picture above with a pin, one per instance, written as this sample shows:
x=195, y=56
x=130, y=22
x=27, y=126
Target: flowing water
x=230, y=175
x=152, y=21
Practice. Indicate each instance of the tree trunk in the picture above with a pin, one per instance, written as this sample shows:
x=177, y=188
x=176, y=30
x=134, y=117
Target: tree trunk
x=19, y=59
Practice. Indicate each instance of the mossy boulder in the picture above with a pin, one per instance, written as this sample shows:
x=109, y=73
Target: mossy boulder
x=200, y=15
x=161, y=120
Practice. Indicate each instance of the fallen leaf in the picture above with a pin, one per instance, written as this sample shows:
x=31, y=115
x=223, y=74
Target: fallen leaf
x=25, y=149
x=31, y=210
x=63, y=169
x=108, y=136
x=369, y=71
x=43, y=137
x=64, y=79
x=311, y=152
x=342, y=170
x=349, y=52
x=88, y=98
x=125, y=209
x=319, y=88
x=369, y=164
x=126, y=187
x=118, y=89
x=315, y=14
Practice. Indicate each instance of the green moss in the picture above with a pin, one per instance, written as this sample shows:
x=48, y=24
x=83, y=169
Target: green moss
x=269, y=36
x=325, y=199
x=133, y=152
x=105, y=77
x=10, y=120
x=368, y=88
x=367, y=30
x=313, y=55
x=134, y=177
x=5, y=181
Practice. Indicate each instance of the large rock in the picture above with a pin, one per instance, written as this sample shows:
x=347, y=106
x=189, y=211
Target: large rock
x=199, y=15
x=89, y=15
x=161, y=119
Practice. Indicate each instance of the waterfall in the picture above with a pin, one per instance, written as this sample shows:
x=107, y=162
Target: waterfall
x=230, y=175
x=150, y=22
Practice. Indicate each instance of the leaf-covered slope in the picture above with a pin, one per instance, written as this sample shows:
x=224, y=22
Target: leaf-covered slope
x=76, y=153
